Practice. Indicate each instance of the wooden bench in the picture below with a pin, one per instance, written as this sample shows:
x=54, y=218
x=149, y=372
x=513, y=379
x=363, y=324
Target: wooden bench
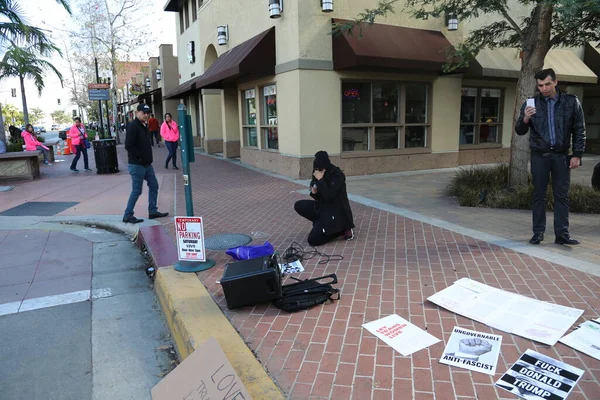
x=20, y=165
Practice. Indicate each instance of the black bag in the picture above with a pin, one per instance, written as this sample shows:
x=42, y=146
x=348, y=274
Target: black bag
x=62, y=135
x=307, y=293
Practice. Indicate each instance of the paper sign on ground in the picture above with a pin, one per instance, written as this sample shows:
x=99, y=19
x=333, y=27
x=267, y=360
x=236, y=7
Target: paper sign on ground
x=294, y=267
x=204, y=374
x=477, y=351
x=400, y=334
x=190, y=238
x=585, y=339
x=509, y=312
x=538, y=377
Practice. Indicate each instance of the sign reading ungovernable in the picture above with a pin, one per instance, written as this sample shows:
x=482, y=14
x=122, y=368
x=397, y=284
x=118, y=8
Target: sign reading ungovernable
x=190, y=239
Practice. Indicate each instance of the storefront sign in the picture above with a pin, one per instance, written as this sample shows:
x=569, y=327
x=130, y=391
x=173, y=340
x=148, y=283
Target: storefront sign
x=469, y=92
x=190, y=238
x=351, y=94
x=269, y=90
x=250, y=94
x=491, y=92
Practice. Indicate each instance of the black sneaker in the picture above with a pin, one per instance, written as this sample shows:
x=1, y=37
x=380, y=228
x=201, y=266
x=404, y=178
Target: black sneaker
x=349, y=234
x=74, y=170
x=132, y=220
x=88, y=170
x=175, y=168
x=157, y=214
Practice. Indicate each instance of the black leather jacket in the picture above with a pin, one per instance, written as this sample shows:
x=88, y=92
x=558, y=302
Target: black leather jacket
x=568, y=116
x=138, y=144
x=332, y=204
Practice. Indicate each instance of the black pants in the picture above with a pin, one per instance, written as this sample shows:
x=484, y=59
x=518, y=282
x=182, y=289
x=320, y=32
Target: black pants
x=81, y=149
x=154, y=135
x=172, y=147
x=542, y=166
x=317, y=236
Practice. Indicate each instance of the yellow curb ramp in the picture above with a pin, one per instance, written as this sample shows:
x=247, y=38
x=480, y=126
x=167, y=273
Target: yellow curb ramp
x=192, y=317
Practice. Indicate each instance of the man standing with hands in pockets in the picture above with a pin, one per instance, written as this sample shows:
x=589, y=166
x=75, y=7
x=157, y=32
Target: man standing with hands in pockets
x=555, y=120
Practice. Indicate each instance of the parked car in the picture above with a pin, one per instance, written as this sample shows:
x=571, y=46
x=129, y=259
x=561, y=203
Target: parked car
x=63, y=133
x=55, y=127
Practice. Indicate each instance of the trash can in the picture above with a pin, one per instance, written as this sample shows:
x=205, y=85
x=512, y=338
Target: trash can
x=105, y=152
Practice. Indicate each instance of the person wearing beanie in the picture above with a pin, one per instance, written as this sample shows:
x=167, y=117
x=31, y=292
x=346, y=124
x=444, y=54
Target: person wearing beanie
x=330, y=210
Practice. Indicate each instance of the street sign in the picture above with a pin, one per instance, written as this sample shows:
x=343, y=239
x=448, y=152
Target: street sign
x=98, y=94
x=190, y=239
x=98, y=86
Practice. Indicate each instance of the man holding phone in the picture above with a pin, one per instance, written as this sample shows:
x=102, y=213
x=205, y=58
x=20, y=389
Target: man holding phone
x=555, y=121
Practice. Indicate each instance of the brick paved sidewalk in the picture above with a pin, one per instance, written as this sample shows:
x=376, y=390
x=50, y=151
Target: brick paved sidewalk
x=394, y=264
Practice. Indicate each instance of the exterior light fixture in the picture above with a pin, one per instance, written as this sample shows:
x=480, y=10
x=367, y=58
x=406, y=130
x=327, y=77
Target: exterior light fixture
x=158, y=74
x=148, y=83
x=327, y=5
x=275, y=8
x=222, y=34
x=452, y=22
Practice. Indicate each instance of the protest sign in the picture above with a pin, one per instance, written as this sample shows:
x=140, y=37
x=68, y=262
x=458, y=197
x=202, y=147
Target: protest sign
x=400, y=334
x=205, y=374
x=189, y=232
x=538, y=377
x=294, y=267
x=510, y=312
x=586, y=338
x=476, y=351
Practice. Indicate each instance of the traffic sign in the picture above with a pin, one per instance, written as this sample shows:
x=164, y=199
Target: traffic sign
x=98, y=86
x=98, y=94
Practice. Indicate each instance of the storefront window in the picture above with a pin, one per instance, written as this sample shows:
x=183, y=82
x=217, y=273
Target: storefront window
x=249, y=122
x=480, y=115
x=269, y=124
x=384, y=115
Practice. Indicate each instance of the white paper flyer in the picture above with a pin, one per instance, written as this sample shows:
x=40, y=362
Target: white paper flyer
x=400, y=334
x=476, y=351
x=586, y=339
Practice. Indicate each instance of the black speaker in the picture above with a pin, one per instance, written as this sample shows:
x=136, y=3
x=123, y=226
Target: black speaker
x=250, y=282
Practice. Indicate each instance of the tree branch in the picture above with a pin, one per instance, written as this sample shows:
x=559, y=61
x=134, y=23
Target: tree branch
x=511, y=21
x=562, y=35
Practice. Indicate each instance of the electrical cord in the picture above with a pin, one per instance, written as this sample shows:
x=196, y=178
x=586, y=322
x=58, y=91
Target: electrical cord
x=297, y=252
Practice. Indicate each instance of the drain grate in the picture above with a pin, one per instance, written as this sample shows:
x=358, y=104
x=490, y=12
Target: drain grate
x=226, y=241
x=38, y=208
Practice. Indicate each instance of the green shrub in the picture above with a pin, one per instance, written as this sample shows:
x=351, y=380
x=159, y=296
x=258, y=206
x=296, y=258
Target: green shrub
x=13, y=147
x=488, y=187
x=41, y=138
x=91, y=134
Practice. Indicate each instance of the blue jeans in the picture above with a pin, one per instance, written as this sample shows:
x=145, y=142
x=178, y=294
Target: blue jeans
x=172, y=147
x=81, y=149
x=44, y=152
x=139, y=173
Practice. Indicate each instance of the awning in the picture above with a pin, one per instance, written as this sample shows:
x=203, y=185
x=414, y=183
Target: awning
x=144, y=96
x=506, y=63
x=254, y=58
x=180, y=90
x=389, y=47
x=592, y=57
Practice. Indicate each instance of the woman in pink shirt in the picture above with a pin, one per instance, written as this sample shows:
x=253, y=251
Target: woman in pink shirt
x=77, y=134
x=32, y=144
x=170, y=133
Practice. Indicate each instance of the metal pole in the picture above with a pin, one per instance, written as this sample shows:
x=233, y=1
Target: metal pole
x=107, y=122
x=2, y=131
x=99, y=101
x=184, y=130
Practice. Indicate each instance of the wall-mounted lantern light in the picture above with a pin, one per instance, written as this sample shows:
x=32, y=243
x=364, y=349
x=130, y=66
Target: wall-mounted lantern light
x=275, y=8
x=222, y=34
x=452, y=22
x=148, y=83
x=191, y=52
x=158, y=74
x=327, y=5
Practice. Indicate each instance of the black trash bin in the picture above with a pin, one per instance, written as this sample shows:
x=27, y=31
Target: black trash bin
x=105, y=152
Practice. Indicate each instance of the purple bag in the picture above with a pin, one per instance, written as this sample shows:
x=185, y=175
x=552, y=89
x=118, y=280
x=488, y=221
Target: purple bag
x=248, y=252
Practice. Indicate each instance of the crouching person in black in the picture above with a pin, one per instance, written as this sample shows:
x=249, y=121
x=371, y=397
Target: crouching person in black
x=330, y=210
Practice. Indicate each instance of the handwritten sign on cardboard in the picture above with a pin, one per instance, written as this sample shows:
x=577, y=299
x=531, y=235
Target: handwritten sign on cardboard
x=205, y=374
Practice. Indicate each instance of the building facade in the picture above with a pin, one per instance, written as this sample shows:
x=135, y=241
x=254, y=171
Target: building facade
x=273, y=91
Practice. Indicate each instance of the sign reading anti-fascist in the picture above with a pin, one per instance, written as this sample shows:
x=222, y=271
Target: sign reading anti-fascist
x=190, y=238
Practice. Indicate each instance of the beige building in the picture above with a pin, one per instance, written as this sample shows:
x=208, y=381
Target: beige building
x=267, y=82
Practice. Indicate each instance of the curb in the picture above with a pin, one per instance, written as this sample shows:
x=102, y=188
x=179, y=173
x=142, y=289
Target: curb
x=192, y=317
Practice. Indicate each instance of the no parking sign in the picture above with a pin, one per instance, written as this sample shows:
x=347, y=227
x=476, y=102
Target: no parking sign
x=190, y=239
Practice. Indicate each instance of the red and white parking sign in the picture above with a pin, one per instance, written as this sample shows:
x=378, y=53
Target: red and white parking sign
x=190, y=238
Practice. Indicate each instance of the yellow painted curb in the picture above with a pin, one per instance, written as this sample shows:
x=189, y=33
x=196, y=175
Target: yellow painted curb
x=192, y=317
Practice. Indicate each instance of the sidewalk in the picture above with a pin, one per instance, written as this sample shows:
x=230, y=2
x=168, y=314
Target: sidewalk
x=394, y=264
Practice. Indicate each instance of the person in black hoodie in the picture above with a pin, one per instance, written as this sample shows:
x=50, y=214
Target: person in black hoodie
x=139, y=153
x=330, y=210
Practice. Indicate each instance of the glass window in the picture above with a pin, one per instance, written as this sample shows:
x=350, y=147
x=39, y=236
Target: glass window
x=186, y=14
x=356, y=103
x=181, y=25
x=373, y=113
x=249, y=121
x=194, y=11
x=269, y=106
x=480, y=115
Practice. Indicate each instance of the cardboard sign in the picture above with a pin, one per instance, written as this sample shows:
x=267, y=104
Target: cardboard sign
x=476, y=351
x=190, y=239
x=538, y=377
x=205, y=374
x=400, y=334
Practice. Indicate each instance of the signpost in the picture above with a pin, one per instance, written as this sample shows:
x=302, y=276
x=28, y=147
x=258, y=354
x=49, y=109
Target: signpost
x=189, y=232
x=98, y=94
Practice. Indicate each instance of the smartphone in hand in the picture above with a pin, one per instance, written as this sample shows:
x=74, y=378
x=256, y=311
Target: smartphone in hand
x=531, y=103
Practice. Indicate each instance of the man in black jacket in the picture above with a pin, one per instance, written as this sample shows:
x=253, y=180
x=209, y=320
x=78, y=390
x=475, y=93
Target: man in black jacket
x=139, y=152
x=330, y=210
x=554, y=121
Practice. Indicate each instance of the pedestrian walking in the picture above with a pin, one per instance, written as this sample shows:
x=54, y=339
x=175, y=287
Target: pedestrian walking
x=170, y=134
x=79, y=144
x=154, y=128
x=556, y=123
x=33, y=144
x=139, y=152
x=330, y=210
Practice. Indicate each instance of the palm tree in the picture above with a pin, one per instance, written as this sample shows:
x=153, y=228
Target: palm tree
x=26, y=63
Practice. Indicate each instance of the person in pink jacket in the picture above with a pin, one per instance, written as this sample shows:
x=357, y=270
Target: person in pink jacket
x=77, y=134
x=32, y=144
x=170, y=134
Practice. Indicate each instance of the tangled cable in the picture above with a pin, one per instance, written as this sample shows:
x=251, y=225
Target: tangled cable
x=297, y=252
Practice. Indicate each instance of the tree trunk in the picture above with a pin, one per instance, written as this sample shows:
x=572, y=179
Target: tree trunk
x=24, y=98
x=535, y=44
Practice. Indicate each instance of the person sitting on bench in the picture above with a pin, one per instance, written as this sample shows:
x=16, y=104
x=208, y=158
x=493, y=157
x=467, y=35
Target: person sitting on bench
x=32, y=144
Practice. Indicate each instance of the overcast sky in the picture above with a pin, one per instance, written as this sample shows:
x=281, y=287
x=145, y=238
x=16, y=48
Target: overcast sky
x=47, y=14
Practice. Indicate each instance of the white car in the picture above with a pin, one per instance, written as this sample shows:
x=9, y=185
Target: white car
x=55, y=127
